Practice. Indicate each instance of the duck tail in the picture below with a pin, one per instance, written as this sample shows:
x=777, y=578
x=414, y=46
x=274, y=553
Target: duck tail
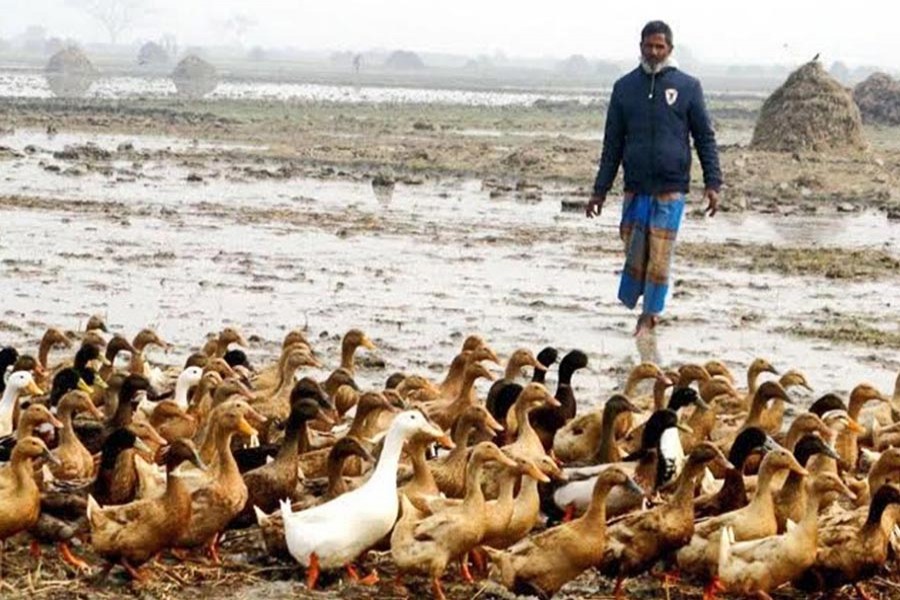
x=94, y=513
x=726, y=539
x=261, y=517
x=285, y=506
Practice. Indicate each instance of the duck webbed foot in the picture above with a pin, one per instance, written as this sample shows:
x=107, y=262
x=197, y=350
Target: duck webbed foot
x=312, y=573
x=65, y=554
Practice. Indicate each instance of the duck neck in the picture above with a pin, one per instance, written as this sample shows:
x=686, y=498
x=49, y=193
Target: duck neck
x=348, y=350
x=659, y=395
x=8, y=403
x=290, y=446
x=336, y=485
x=793, y=492
x=23, y=473
x=683, y=497
x=474, y=494
x=895, y=399
x=762, y=500
x=44, y=351
x=226, y=465
x=386, y=469
x=513, y=368
x=634, y=379
x=421, y=471
x=756, y=410
x=524, y=430
x=608, y=452
x=595, y=516
x=67, y=435
x=181, y=393
x=455, y=373
x=752, y=379
x=505, y=497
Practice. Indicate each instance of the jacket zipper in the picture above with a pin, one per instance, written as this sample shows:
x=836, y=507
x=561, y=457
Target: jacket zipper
x=652, y=135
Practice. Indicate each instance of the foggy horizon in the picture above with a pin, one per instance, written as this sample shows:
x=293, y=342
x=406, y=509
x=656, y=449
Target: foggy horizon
x=749, y=34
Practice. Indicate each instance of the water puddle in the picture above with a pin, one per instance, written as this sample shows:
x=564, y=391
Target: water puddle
x=416, y=268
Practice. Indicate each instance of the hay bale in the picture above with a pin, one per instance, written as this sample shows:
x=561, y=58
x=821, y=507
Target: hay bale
x=194, y=77
x=811, y=111
x=70, y=73
x=152, y=54
x=878, y=98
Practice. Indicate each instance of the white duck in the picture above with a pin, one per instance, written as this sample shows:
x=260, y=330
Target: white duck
x=335, y=533
x=16, y=384
x=186, y=380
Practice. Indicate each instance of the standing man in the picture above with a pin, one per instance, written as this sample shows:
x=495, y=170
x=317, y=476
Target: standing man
x=653, y=112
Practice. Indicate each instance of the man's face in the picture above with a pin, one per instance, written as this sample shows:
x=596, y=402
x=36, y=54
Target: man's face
x=655, y=49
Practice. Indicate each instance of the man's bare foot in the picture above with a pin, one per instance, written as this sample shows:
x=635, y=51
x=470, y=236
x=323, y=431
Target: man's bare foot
x=645, y=324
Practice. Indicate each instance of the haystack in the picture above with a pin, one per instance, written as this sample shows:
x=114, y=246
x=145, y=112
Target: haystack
x=878, y=98
x=152, y=54
x=194, y=77
x=811, y=111
x=70, y=73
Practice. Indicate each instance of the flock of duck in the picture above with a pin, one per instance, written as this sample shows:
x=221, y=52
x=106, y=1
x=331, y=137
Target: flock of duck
x=702, y=476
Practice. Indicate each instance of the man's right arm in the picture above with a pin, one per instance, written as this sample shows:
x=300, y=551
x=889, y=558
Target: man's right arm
x=611, y=157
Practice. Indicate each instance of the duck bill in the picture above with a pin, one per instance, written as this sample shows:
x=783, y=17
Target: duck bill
x=98, y=381
x=532, y=471
x=142, y=446
x=368, y=344
x=245, y=428
x=255, y=417
x=57, y=424
x=538, y=365
x=33, y=389
x=492, y=356
x=723, y=463
x=632, y=486
x=503, y=459
x=493, y=425
x=552, y=402
x=684, y=428
x=50, y=458
x=95, y=412
x=326, y=418
x=444, y=441
x=855, y=427
x=84, y=387
x=830, y=452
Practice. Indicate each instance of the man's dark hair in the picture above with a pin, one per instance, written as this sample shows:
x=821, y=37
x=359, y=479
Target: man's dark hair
x=654, y=27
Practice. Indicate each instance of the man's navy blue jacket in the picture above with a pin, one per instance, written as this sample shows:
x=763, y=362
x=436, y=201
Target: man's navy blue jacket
x=648, y=128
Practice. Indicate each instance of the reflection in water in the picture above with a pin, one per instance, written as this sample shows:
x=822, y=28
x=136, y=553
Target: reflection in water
x=384, y=191
x=648, y=347
x=70, y=85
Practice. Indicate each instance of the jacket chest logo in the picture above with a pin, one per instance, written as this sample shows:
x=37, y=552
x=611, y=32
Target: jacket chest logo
x=671, y=96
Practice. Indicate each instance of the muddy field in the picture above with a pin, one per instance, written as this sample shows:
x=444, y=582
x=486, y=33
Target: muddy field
x=187, y=216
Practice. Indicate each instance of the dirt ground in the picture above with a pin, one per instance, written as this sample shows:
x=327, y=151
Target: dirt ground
x=191, y=215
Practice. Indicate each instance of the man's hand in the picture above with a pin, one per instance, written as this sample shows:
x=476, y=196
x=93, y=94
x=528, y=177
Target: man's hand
x=712, y=201
x=595, y=206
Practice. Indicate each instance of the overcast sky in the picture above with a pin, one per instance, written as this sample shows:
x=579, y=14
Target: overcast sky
x=753, y=31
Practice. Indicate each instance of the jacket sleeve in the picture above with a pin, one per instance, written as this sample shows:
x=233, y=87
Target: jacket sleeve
x=613, y=145
x=705, y=141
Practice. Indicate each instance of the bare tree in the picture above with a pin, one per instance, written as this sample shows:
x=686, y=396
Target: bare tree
x=117, y=16
x=238, y=25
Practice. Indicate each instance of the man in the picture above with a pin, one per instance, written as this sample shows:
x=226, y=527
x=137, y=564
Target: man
x=653, y=112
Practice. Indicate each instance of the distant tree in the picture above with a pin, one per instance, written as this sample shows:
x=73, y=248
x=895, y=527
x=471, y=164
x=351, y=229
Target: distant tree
x=34, y=38
x=575, y=65
x=840, y=71
x=238, y=25
x=117, y=16
x=404, y=60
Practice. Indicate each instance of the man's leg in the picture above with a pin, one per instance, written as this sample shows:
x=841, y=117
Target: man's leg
x=665, y=219
x=634, y=230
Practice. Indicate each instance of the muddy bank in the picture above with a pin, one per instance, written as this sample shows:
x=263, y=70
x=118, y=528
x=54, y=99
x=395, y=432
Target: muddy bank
x=538, y=143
